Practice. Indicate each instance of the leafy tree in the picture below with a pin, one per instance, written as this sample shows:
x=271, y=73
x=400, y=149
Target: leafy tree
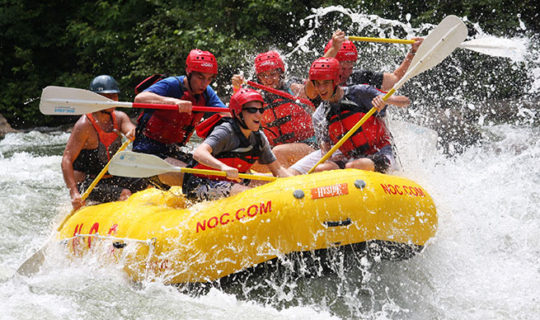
x=67, y=43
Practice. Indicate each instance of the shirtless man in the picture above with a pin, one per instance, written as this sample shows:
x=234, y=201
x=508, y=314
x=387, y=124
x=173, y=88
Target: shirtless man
x=94, y=140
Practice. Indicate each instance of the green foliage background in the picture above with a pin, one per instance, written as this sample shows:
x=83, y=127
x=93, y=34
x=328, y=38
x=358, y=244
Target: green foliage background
x=68, y=42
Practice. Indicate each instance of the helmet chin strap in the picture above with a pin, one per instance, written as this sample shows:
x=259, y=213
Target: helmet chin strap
x=241, y=121
x=189, y=80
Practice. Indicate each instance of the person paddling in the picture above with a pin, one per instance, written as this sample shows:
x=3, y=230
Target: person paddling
x=342, y=107
x=286, y=122
x=233, y=145
x=346, y=53
x=164, y=132
x=95, y=138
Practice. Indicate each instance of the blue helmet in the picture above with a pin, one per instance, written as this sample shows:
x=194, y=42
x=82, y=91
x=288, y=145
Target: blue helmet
x=104, y=84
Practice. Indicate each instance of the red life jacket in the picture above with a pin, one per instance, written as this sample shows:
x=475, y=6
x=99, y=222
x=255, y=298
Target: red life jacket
x=287, y=121
x=170, y=126
x=107, y=139
x=242, y=157
x=368, y=139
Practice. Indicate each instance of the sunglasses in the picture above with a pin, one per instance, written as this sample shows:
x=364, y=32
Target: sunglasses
x=253, y=110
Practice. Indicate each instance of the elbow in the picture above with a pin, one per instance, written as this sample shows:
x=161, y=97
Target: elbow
x=66, y=164
x=196, y=156
x=140, y=98
x=199, y=153
x=137, y=98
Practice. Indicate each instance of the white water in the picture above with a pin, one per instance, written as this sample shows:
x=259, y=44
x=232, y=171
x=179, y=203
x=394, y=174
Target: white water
x=482, y=264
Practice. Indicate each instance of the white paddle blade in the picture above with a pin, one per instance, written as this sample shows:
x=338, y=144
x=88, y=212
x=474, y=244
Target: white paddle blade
x=139, y=165
x=32, y=265
x=438, y=45
x=73, y=101
x=498, y=47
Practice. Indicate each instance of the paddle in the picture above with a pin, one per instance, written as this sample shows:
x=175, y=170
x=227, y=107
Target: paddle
x=31, y=265
x=279, y=93
x=141, y=165
x=74, y=101
x=484, y=46
x=439, y=44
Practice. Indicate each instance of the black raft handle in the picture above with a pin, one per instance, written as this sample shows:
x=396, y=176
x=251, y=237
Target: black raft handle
x=340, y=223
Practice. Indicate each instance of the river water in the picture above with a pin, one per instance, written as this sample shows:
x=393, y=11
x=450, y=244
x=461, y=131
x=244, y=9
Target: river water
x=484, y=262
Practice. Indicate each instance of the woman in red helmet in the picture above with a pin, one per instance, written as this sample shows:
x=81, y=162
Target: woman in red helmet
x=342, y=107
x=233, y=145
x=286, y=122
x=164, y=132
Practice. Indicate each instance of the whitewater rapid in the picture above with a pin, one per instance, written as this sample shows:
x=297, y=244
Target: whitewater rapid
x=483, y=262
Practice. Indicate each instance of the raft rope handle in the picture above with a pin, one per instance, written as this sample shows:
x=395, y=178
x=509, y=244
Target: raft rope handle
x=149, y=242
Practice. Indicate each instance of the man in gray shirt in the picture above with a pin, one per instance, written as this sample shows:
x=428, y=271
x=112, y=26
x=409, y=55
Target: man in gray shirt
x=368, y=148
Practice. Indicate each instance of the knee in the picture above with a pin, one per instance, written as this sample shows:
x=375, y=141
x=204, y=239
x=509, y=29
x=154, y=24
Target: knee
x=362, y=164
x=326, y=167
x=281, y=151
x=124, y=195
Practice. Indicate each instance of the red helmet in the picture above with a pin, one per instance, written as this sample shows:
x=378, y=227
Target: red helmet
x=347, y=52
x=201, y=61
x=325, y=69
x=267, y=61
x=242, y=97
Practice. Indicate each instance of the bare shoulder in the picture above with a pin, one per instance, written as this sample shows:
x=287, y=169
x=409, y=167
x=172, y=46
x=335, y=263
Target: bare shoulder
x=82, y=127
x=123, y=118
x=80, y=134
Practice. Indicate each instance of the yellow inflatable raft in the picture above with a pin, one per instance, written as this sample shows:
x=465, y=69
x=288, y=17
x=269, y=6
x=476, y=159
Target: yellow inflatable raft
x=154, y=237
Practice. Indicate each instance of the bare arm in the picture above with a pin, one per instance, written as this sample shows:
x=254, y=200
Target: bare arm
x=338, y=37
x=389, y=79
x=400, y=101
x=150, y=97
x=203, y=155
x=126, y=126
x=75, y=143
x=277, y=169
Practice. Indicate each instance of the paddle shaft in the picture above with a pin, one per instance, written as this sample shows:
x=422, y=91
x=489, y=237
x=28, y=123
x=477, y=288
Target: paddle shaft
x=464, y=45
x=380, y=40
x=224, y=174
x=100, y=105
x=279, y=93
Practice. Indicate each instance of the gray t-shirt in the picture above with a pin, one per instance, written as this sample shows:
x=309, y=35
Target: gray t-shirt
x=223, y=139
x=359, y=94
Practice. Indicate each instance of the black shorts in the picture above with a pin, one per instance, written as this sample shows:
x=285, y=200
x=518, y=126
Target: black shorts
x=382, y=159
x=109, y=189
x=198, y=189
